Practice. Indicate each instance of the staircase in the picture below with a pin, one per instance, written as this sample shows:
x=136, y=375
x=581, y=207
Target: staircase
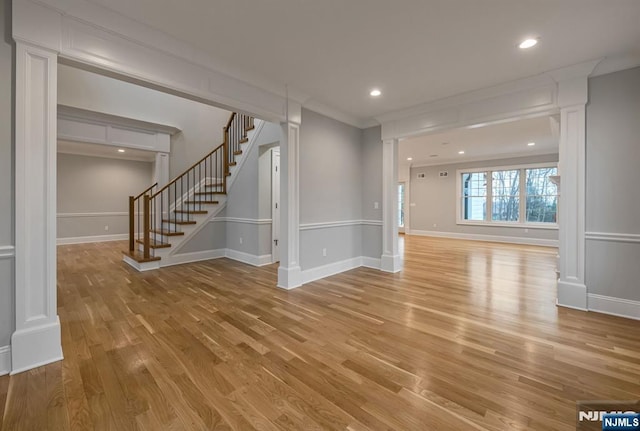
x=163, y=218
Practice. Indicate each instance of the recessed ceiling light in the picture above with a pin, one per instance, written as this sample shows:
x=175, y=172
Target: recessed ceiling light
x=375, y=92
x=120, y=150
x=528, y=43
x=409, y=158
x=531, y=144
x=461, y=152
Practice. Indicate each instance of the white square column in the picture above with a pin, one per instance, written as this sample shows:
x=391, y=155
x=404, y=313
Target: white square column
x=36, y=340
x=290, y=272
x=572, y=98
x=390, y=260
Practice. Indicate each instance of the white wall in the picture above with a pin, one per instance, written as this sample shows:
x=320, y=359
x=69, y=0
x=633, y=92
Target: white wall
x=435, y=201
x=7, y=239
x=89, y=188
x=201, y=124
x=613, y=179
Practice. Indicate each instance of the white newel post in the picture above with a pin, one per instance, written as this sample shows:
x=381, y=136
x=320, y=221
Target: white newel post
x=390, y=261
x=572, y=98
x=161, y=169
x=289, y=272
x=36, y=340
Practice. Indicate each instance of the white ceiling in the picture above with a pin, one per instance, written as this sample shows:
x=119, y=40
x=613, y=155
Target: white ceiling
x=497, y=141
x=415, y=51
x=101, y=150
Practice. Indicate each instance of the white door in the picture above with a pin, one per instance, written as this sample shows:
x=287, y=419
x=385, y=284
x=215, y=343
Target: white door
x=401, y=206
x=275, y=205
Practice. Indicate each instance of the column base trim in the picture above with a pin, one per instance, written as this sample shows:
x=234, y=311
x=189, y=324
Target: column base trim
x=289, y=278
x=391, y=263
x=572, y=295
x=35, y=347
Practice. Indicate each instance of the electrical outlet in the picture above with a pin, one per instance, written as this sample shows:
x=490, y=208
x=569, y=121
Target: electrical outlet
x=376, y=205
x=240, y=240
x=106, y=227
x=324, y=252
x=435, y=225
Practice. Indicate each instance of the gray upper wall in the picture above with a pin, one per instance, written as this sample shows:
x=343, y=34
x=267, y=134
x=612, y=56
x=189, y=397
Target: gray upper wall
x=201, y=125
x=7, y=113
x=372, y=173
x=435, y=200
x=613, y=176
x=330, y=170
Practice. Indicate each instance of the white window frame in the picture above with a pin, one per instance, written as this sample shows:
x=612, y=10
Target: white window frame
x=521, y=223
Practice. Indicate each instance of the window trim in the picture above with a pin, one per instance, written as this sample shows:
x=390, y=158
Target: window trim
x=521, y=223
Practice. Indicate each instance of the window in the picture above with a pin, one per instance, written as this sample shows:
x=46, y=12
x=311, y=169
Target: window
x=474, y=195
x=542, y=195
x=505, y=186
x=513, y=196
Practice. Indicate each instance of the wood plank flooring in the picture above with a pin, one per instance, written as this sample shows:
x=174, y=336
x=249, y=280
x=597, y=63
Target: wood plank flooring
x=467, y=337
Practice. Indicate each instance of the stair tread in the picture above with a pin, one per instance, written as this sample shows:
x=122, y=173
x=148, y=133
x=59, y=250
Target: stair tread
x=233, y=163
x=250, y=128
x=243, y=140
x=138, y=256
x=206, y=193
x=190, y=211
x=237, y=153
x=202, y=202
x=176, y=221
x=166, y=232
x=155, y=244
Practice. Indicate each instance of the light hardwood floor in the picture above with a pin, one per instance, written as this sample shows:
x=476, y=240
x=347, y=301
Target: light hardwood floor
x=467, y=337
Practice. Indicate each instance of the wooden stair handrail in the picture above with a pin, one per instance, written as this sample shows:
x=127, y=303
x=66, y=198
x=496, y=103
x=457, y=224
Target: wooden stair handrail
x=148, y=189
x=176, y=179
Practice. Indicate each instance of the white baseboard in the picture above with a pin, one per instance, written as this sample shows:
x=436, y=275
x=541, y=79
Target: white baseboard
x=371, y=262
x=488, y=238
x=196, y=256
x=250, y=259
x=614, y=306
x=96, y=238
x=323, y=271
x=5, y=360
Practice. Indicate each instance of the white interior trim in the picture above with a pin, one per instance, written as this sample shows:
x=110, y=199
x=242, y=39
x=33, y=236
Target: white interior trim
x=7, y=251
x=614, y=306
x=5, y=360
x=614, y=237
x=324, y=225
x=488, y=238
x=265, y=221
x=93, y=214
x=94, y=238
x=248, y=258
